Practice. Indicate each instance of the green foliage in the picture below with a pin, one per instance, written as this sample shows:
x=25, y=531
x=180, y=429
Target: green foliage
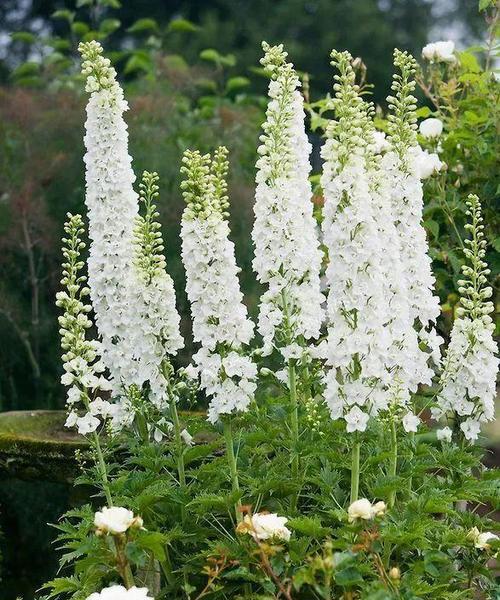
x=420, y=549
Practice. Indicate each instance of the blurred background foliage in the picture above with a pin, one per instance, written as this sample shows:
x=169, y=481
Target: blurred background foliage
x=191, y=75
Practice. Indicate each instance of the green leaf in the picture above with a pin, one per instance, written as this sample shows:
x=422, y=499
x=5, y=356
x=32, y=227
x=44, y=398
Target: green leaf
x=139, y=61
x=211, y=55
x=143, y=25
x=155, y=542
x=236, y=83
x=64, y=13
x=433, y=227
x=79, y=28
x=23, y=36
x=26, y=69
x=423, y=112
x=348, y=577
x=182, y=25
x=309, y=526
x=109, y=25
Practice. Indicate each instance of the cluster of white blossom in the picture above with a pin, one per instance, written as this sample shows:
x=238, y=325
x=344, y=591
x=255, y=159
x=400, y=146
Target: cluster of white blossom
x=440, y=52
x=118, y=592
x=133, y=348
x=115, y=520
x=471, y=364
x=265, y=526
x=158, y=293
x=404, y=167
x=83, y=367
x=220, y=321
x=357, y=308
x=287, y=255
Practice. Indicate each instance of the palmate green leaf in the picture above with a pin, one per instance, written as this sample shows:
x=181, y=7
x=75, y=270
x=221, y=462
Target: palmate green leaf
x=61, y=585
x=310, y=526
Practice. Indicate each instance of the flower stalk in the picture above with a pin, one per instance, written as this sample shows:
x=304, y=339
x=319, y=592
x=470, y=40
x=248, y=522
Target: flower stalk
x=233, y=465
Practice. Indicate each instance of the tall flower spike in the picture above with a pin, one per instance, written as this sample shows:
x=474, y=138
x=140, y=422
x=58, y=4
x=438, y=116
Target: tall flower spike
x=287, y=256
x=403, y=170
x=132, y=350
x=220, y=321
x=81, y=358
x=470, y=367
x=356, y=305
x=158, y=288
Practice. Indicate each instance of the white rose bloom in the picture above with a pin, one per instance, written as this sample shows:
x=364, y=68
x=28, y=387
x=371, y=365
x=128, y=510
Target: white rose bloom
x=481, y=539
x=118, y=592
x=444, y=435
x=364, y=509
x=265, y=526
x=440, y=52
x=287, y=255
x=431, y=128
x=115, y=520
x=423, y=163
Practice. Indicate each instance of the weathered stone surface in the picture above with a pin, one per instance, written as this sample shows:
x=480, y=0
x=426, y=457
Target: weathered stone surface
x=35, y=445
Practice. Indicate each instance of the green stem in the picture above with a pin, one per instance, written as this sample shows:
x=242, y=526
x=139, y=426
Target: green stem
x=393, y=464
x=101, y=465
x=178, y=443
x=233, y=467
x=294, y=426
x=411, y=437
x=355, y=469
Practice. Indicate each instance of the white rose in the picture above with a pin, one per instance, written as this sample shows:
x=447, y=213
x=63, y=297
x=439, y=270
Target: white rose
x=440, y=52
x=431, y=128
x=360, y=509
x=364, y=509
x=424, y=163
x=481, y=540
x=444, y=434
x=115, y=520
x=118, y=592
x=265, y=526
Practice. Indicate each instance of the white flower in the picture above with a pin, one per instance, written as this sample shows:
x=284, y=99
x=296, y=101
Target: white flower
x=471, y=429
x=440, y=52
x=115, y=520
x=356, y=420
x=364, y=509
x=187, y=438
x=380, y=142
x=431, y=128
x=357, y=301
x=410, y=422
x=136, y=319
x=87, y=424
x=191, y=371
x=287, y=255
x=423, y=163
x=118, y=592
x=444, y=434
x=481, y=539
x=220, y=319
x=265, y=526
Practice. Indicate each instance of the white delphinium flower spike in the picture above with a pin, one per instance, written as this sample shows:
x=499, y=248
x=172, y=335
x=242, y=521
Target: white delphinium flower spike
x=133, y=347
x=83, y=368
x=220, y=321
x=158, y=293
x=356, y=306
x=403, y=167
x=471, y=365
x=287, y=256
